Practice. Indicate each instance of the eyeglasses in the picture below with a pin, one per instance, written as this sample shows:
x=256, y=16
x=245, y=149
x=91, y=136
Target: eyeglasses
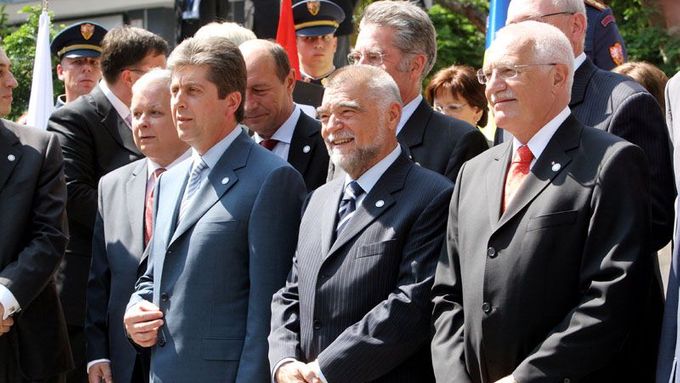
x=450, y=108
x=504, y=72
x=369, y=58
x=536, y=18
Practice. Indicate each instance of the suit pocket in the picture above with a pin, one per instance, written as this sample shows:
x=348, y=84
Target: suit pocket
x=553, y=219
x=222, y=349
x=217, y=226
x=373, y=249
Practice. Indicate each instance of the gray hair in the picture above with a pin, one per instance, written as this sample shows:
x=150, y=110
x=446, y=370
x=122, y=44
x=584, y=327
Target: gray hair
x=236, y=33
x=156, y=75
x=549, y=44
x=378, y=83
x=226, y=67
x=413, y=29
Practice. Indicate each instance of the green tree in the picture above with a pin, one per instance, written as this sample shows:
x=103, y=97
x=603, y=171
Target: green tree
x=19, y=45
x=459, y=40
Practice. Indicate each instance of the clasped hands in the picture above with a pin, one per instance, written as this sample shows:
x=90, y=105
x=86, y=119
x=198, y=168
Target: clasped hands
x=142, y=322
x=298, y=372
x=5, y=324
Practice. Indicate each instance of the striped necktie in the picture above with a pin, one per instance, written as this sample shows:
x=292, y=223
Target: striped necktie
x=348, y=204
x=194, y=182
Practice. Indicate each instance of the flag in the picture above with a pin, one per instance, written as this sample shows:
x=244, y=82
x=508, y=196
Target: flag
x=41, y=103
x=498, y=12
x=285, y=35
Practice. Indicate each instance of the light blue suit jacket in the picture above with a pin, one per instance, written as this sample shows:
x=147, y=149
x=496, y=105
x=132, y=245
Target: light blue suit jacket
x=214, y=272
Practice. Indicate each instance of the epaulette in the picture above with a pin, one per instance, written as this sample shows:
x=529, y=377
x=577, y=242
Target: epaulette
x=596, y=4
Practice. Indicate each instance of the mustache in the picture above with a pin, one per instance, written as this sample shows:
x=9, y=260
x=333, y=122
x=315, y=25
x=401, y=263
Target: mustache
x=500, y=96
x=338, y=136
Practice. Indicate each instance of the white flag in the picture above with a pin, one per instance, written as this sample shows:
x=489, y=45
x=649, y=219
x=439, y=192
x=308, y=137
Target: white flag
x=41, y=103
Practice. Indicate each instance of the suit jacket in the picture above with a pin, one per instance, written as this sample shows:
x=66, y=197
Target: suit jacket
x=95, y=141
x=360, y=304
x=440, y=143
x=308, y=153
x=32, y=242
x=118, y=260
x=669, y=334
x=620, y=106
x=214, y=272
x=551, y=289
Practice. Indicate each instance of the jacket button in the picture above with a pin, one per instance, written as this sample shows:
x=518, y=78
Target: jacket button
x=317, y=324
x=164, y=297
x=491, y=252
x=161, y=342
x=567, y=380
x=486, y=307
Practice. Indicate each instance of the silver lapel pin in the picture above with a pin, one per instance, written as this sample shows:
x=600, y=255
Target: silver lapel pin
x=379, y=203
x=11, y=157
x=306, y=149
x=556, y=167
x=225, y=180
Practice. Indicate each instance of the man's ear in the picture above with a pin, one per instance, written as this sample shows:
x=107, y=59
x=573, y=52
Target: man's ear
x=60, y=72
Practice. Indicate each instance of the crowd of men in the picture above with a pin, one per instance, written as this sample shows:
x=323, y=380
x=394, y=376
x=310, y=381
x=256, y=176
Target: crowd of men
x=185, y=220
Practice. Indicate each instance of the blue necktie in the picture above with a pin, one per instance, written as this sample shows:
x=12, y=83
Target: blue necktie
x=348, y=204
x=193, y=184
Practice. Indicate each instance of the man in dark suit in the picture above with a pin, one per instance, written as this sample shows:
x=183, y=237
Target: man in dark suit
x=547, y=251
x=620, y=106
x=33, y=339
x=123, y=228
x=356, y=306
x=279, y=124
x=224, y=236
x=399, y=37
x=95, y=137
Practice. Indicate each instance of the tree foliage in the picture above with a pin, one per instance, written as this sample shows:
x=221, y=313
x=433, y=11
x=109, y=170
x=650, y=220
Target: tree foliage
x=19, y=45
x=459, y=40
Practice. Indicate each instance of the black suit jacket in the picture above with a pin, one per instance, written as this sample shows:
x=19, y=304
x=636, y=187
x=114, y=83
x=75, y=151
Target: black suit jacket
x=551, y=289
x=308, y=153
x=440, y=143
x=620, y=106
x=118, y=260
x=94, y=141
x=360, y=303
x=32, y=242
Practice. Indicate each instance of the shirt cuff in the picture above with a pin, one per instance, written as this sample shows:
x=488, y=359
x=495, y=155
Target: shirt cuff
x=92, y=363
x=8, y=302
x=278, y=365
x=317, y=371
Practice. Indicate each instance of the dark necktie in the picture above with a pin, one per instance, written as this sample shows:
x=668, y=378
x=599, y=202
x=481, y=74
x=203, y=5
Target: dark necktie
x=519, y=169
x=348, y=204
x=269, y=143
x=148, y=206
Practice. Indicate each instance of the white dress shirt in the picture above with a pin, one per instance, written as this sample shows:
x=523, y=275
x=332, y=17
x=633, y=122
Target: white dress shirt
x=284, y=134
x=407, y=111
x=120, y=107
x=540, y=140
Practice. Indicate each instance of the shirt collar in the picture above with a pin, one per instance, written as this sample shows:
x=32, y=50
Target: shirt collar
x=285, y=132
x=371, y=176
x=215, y=153
x=407, y=111
x=151, y=166
x=579, y=60
x=540, y=140
x=120, y=107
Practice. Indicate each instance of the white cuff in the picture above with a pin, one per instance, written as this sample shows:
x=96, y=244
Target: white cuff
x=317, y=371
x=92, y=363
x=278, y=365
x=8, y=302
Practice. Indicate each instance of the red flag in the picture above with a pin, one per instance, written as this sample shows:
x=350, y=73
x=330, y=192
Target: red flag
x=285, y=35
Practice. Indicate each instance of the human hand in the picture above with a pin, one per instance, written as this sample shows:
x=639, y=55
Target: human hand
x=294, y=372
x=5, y=324
x=100, y=372
x=142, y=322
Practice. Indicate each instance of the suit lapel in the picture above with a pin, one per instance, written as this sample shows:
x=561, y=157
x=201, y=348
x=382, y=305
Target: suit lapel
x=135, y=190
x=169, y=191
x=553, y=161
x=221, y=178
x=302, y=144
x=329, y=214
x=582, y=77
x=414, y=129
x=377, y=202
x=495, y=179
x=10, y=154
x=113, y=122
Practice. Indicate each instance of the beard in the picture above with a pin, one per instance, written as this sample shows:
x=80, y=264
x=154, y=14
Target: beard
x=361, y=158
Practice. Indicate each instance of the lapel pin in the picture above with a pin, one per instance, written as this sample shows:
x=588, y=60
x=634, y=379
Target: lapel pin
x=379, y=203
x=306, y=149
x=556, y=167
x=225, y=180
x=418, y=163
x=11, y=157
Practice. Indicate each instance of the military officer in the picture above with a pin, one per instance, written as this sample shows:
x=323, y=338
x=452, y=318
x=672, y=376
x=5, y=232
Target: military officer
x=78, y=48
x=604, y=44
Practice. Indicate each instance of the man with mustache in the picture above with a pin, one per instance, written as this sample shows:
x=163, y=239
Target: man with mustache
x=356, y=306
x=547, y=245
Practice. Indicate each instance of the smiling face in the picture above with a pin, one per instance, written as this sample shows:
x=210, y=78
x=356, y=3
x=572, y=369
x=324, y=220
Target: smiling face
x=152, y=126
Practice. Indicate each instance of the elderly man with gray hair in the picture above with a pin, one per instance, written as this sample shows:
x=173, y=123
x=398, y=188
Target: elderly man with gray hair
x=545, y=263
x=355, y=307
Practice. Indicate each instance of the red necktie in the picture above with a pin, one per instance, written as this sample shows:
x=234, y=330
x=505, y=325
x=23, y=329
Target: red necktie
x=148, y=206
x=519, y=169
x=269, y=143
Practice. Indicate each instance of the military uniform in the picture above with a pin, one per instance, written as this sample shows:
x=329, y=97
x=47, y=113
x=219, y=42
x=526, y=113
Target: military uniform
x=604, y=44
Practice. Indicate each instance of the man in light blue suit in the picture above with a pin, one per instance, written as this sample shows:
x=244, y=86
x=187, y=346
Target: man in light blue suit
x=224, y=236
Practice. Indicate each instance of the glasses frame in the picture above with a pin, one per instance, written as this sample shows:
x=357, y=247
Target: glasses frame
x=354, y=61
x=483, y=78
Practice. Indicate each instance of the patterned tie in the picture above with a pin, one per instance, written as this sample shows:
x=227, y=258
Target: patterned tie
x=128, y=120
x=269, y=143
x=519, y=169
x=148, y=205
x=348, y=204
x=193, y=184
